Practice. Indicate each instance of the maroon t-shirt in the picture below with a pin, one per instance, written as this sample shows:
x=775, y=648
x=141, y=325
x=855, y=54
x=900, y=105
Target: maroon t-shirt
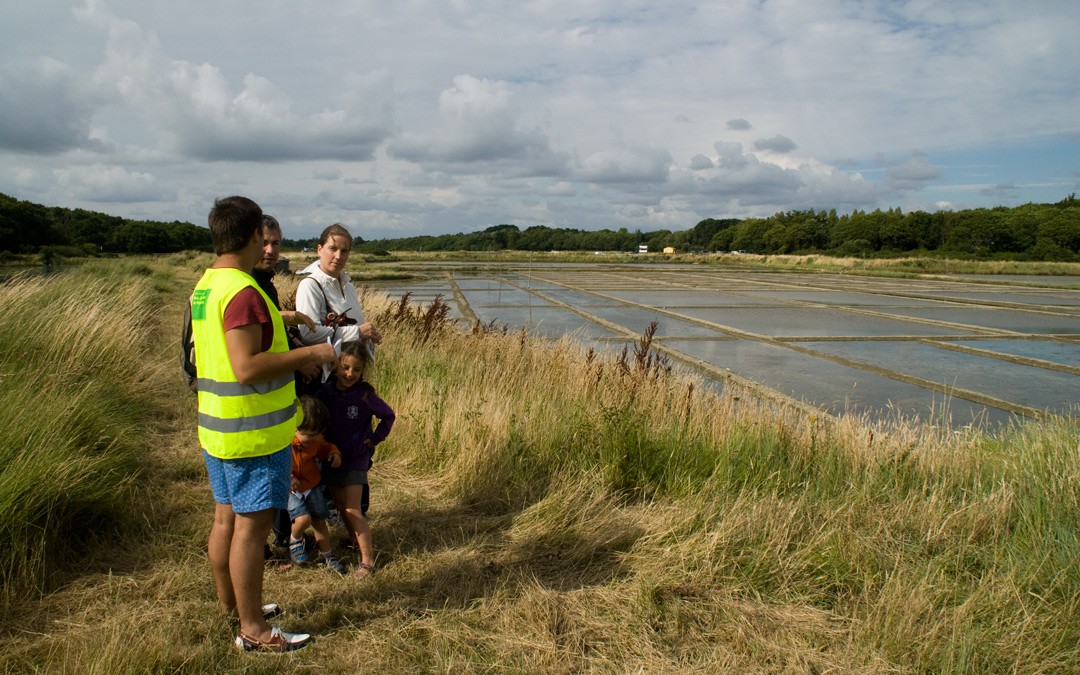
x=248, y=308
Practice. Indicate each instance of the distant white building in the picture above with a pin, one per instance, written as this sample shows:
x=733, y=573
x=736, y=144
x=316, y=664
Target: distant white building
x=643, y=248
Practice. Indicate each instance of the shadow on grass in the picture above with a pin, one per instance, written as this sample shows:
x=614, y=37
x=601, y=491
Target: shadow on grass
x=455, y=558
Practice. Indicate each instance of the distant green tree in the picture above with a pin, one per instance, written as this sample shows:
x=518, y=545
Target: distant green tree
x=750, y=235
x=537, y=238
x=927, y=228
x=25, y=227
x=700, y=236
x=187, y=237
x=856, y=226
x=1062, y=229
x=855, y=248
x=1030, y=231
x=142, y=237
x=900, y=234
x=656, y=241
x=90, y=227
x=983, y=232
x=722, y=240
x=502, y=236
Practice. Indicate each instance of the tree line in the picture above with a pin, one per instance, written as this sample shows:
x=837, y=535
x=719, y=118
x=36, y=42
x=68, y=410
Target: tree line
x=26, y=227
x=1029, y=231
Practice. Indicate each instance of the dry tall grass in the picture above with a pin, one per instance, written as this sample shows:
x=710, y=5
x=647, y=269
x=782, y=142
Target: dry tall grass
x=74, y=373
x=538, y=509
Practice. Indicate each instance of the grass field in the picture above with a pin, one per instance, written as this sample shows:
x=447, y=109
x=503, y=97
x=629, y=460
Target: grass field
x=536, y=509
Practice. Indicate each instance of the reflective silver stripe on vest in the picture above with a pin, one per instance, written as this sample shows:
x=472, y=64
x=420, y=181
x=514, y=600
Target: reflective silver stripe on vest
x=225, y=425
x=237, y=389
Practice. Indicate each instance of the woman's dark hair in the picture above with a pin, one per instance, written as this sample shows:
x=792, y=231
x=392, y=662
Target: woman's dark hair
x=316, y=415
x=335, y=230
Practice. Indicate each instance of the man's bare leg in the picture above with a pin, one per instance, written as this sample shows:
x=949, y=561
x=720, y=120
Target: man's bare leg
x=221, y=536
x=246, y=562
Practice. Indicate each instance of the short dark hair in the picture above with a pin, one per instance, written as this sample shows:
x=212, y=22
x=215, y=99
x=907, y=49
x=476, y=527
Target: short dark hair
x=270, y=223
x=232, y=222
x=316, y=415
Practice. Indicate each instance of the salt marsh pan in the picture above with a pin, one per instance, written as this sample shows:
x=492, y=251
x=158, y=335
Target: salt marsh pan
x=954, y=351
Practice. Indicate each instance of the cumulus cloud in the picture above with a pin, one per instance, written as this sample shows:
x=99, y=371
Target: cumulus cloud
x=197, y=111
x=779, y=144
x=625, y=166
x=572, y=114
x=700, y=162
x=46, y=109
x=1001, y=190
x=742, y=183
x=480, y=123
x=561, y=189
x=912, y=174
x=730, y=155
x=748, y=183
x=828, y=187
x=99, y=183
x=339, y=134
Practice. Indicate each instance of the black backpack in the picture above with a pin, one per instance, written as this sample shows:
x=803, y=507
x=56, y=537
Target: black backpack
x=187, y=351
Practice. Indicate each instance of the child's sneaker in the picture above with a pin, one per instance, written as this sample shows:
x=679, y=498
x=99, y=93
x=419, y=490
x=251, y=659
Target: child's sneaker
x=296, y=551
x=333, y=563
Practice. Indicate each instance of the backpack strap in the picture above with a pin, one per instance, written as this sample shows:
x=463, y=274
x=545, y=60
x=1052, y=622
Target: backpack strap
x=326, y=303
x=322, y=292
x=187, y=351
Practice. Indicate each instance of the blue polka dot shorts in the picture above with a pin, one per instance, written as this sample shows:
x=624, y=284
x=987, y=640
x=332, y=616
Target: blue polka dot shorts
x=251, y=483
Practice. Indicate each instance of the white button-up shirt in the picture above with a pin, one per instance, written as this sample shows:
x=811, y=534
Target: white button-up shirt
x=320, y=293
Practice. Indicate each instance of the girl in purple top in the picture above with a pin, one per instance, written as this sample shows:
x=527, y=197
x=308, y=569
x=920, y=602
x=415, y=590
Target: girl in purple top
x=353, y=403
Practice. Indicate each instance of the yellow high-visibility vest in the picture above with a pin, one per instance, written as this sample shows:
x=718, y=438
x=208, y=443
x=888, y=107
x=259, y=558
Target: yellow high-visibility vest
x=237, y=420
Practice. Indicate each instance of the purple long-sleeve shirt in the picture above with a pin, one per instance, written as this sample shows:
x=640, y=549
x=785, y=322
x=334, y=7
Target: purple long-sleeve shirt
x=350, y=422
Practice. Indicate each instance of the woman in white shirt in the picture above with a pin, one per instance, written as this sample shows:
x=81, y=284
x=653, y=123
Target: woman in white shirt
x=328, y=296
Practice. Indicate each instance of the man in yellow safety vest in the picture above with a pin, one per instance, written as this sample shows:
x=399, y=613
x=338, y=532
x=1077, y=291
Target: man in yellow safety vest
x=248, y=413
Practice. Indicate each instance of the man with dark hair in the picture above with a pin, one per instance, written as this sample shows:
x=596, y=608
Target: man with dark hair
x=231, y=220
x=266, y=267
x=247, y=415
x=263, y=274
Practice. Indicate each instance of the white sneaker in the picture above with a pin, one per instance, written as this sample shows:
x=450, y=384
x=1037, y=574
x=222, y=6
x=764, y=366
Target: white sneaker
x=279, y=642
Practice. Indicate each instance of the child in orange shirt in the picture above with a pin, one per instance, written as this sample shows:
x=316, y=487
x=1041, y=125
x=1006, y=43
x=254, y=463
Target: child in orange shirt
x=308, y=506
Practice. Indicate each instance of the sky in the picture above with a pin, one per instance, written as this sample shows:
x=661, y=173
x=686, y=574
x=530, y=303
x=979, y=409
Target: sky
x=418, y=117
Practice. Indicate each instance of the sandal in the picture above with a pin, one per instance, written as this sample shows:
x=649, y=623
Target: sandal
x=363, y=570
